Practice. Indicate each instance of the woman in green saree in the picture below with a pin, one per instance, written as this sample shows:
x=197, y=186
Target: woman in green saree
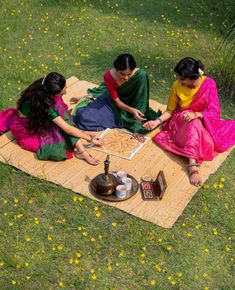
x=121, y=101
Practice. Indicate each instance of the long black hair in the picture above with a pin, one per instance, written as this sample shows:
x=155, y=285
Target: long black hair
x=39, y=96
x=124, y=61
x=189, y=68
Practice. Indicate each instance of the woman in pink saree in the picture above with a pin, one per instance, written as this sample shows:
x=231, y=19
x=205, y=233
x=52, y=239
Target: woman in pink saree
x=41, y=122
x=193, y=127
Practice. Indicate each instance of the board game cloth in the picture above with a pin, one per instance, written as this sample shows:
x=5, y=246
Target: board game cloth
x=75, y=174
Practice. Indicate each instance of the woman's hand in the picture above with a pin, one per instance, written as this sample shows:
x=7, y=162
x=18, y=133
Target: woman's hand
x=138, y=115
x=150, y=125
x=74, y=100
x=97, y=141
x=139, y=137
x=189, y=116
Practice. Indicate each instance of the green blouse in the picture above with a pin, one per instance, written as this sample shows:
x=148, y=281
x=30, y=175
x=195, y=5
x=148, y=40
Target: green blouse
x=25, y=110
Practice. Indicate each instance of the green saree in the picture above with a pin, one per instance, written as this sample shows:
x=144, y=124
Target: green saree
x=134, y=93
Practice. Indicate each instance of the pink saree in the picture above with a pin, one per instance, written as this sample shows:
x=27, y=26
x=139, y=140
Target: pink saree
x=198, y=139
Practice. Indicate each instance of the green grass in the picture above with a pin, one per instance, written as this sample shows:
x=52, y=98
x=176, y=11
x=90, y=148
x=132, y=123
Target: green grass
x=51, y=238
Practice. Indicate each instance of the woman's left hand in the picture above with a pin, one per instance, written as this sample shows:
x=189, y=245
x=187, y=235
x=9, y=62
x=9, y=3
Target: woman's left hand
x=189, y=116
x=73, y=100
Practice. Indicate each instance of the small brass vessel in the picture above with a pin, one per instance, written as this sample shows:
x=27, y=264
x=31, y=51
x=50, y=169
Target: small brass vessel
x=105, y=183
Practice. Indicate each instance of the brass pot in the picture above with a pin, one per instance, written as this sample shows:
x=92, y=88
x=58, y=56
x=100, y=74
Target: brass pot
x=105, y=183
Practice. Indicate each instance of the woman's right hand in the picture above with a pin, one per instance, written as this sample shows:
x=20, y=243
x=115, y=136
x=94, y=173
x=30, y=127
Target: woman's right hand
x=138, y=115
x=150, y=125
x=97, y=141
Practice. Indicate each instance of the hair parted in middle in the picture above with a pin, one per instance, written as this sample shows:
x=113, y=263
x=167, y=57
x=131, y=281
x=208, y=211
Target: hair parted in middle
x=124, y=61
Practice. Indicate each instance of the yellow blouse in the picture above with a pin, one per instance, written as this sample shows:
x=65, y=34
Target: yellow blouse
x=181, y=96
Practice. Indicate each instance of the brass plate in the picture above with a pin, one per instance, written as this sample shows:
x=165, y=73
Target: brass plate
x=113, y=196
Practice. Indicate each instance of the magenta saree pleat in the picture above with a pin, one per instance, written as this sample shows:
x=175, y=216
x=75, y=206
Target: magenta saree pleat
x=198, y=139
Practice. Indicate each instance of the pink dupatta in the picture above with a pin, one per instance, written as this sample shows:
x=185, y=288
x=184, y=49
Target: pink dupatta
x=200, y=140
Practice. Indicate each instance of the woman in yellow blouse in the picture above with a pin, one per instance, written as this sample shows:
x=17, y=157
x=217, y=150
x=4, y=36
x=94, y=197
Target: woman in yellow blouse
x=192, y=119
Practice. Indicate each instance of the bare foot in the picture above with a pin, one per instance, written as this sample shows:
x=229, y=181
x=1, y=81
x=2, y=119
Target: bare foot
x=194, y=177
x=84, y=155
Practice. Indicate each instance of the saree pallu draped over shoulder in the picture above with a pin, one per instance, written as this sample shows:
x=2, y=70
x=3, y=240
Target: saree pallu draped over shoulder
x=102, y=112
x=51, y=145
x=198, y=139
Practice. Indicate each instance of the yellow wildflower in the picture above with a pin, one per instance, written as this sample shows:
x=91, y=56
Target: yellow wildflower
x=152, y=282
x=168, y=248
x=61, y=284
x=215, y=185
x=98, y=214
x=1, y=263
x=215, y=231
x=158, y=268
x=71, y=261
x=16, y=200
x=49, y=238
